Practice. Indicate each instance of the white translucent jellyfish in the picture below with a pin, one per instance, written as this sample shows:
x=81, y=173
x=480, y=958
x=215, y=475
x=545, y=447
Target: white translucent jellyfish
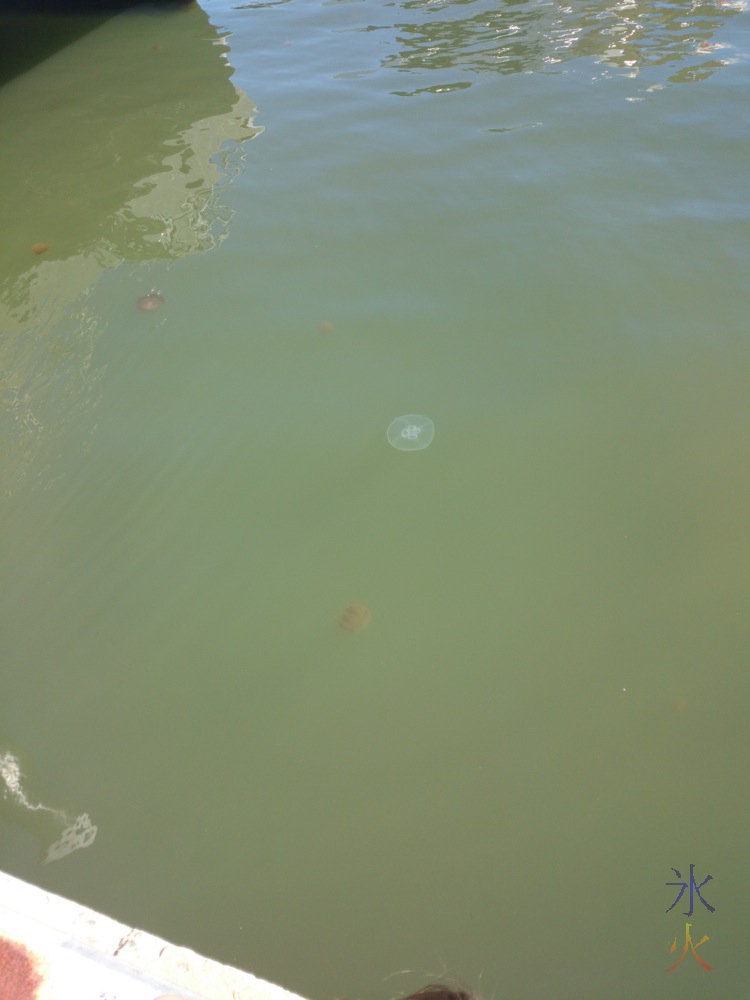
x=411, y=432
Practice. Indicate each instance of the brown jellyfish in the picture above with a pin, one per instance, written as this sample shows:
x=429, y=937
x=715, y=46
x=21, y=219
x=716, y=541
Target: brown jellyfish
x=354, y=618
x=40, y=248
x=150, y=302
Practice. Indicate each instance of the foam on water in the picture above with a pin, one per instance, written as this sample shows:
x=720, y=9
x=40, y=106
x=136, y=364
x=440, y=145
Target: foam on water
x=76, y=833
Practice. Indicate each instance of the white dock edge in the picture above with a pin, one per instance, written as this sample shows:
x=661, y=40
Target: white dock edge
x=53, y=949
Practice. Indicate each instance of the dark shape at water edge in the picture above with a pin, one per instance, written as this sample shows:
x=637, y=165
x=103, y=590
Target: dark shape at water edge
x=28, y=37
x=33, y=30
x=83, y=6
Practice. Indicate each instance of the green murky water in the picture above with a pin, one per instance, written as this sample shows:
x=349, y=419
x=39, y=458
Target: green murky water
x=526, y=221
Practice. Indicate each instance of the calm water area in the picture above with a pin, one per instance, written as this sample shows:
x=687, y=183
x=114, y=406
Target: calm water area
x=527, y=221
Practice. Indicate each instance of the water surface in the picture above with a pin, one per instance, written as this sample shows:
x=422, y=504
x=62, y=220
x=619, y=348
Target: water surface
x=528, y=221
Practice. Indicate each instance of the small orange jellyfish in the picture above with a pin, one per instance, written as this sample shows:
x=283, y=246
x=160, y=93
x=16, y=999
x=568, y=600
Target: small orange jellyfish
x=40, y=247
x=355, y=618
x=325, y=326
x=151, y=301
x=680, y=704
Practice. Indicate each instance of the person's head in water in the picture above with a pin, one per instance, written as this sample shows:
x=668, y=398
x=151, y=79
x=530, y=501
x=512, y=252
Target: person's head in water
x=440, y=991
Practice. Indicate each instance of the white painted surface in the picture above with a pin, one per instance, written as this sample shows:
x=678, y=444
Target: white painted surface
x=83, y=955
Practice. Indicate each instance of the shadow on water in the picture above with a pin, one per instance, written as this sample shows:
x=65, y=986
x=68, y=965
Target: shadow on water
x=115, y=150
x=33, y=30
